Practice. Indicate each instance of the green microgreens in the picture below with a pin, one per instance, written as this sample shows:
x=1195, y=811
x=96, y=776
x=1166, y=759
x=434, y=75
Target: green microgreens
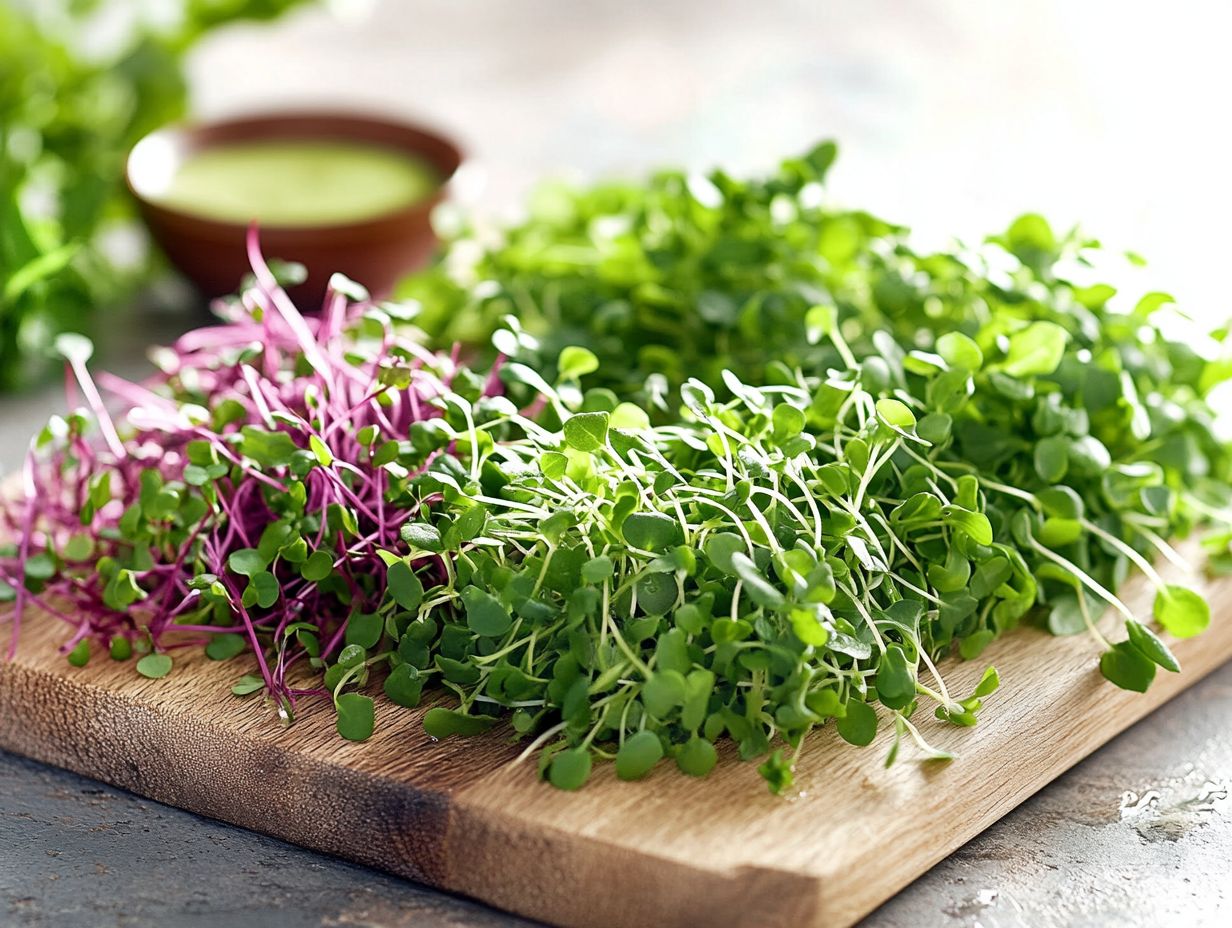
x=70, y=112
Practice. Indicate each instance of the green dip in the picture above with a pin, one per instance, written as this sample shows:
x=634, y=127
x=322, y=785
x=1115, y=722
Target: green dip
x=298, y=183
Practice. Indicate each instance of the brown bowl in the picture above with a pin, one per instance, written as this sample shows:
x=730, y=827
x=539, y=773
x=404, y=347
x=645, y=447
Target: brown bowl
x=211, y=253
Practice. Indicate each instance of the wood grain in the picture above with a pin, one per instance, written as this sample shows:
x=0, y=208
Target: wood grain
x=667, y=851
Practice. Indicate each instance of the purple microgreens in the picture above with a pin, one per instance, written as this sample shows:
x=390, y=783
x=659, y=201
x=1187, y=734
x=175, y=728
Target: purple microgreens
x=261, y=443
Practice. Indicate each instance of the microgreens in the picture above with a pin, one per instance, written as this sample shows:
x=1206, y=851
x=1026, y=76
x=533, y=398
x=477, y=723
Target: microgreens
x=884, y=458
x=253, y=502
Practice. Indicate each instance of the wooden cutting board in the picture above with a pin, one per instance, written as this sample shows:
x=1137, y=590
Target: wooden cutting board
x=667, y=851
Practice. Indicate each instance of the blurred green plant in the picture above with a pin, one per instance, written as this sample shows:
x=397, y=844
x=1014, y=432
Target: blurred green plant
x=69, y=112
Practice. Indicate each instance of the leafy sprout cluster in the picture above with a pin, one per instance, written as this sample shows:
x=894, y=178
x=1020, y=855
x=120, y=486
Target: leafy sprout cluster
x=885, y=458
x=244, y=501
x=68, y=117
x=1090, y=412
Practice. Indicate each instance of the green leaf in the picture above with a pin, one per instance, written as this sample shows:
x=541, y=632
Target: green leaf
x=760, y=590
x=351, y=656
x=248, y=684
x=719, y=548
x=960, y=351
x=1057, y=533
x=225, y=646
x=1036, y=350
x=989, y=683
x=1151, y=647
x=586, y=431
x=78, y=548
x=576, y=362
x=356, y=716
x=664, y=692
x=404, y=586
x=570, y=769
x=247, y=562
x=696, y=757
x=484, y=613
x=365, y=630
x=820, y=158
x=629, y=417
x=422, y=536
x=154, y=666
x=266, y=589
x=268, y=449
x=1181, y=611
x=777, y=772
x=639, y=753
x=1031, y=240
x=598, y=569
x=652, y=531
x=896, y=415
x=788, y=421
x=974, y=644
x=974, y=524
x=1127, y=667
x=80, y=655
x=895, y=680
x=553, y=464
x=41, y=566
x=470, y=523
x=404, y=686
x=821, y=320
x=1052, y=458
x=324, y=456
x=935, y=428
x=808, y=628
x=318, y=566
x=442, y=723
x=859, y=725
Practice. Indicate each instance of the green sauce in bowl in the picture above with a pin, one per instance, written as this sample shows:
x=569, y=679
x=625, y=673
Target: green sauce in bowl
x=298, y=183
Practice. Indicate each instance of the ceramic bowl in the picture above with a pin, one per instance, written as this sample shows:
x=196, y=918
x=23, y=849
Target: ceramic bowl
x=211, y=253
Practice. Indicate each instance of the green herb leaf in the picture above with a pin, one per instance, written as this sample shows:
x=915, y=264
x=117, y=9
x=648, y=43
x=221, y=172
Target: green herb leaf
x=1127, y=667
x=154, y=666
x=356, y=716
x=576, y=363
x=80, y=655
x=1181, y=611
x=484, y=613
x=586, y=431
x=570, y=769
x=247, y=562
x=638, y=755
x=267, y=449
x=696, y=757
x=652, y=531
x=404, y=686
x=247, y=685
x=404, y=586
x=1151, y=647
x=225, y=646
x=442, y=723
x=1036, y=350
x=960, y=351
x=859, y=725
